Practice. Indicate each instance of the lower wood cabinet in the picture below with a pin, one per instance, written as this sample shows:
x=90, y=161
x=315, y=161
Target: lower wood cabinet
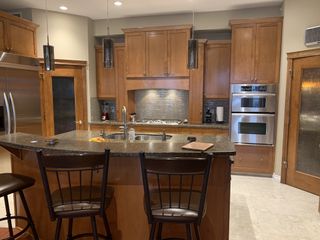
x=254, y=159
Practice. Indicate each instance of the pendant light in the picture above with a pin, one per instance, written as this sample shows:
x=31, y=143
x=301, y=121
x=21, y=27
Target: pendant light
x=192, y=49
x=107, y=45
x=48, y=50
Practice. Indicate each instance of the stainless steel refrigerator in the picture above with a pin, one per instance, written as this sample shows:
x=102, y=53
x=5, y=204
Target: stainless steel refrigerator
x=19, y=94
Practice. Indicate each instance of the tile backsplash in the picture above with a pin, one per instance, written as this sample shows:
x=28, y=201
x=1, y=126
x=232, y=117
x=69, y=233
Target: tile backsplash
x=161, y=104
x=212, y=104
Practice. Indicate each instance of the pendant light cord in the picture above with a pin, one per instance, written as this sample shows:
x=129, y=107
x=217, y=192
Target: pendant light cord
x=108, y=29
x=47, y=25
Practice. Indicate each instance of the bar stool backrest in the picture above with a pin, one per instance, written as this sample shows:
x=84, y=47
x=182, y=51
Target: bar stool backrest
x=176, y=182
x=74, y=182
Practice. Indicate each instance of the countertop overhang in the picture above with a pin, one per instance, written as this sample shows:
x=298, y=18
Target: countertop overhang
x=79, y=141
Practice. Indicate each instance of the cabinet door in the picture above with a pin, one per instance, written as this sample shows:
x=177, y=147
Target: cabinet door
x=18, y=34
x=267, y=58
x=242, y=58
x=157, y=54
x=254, y=159
x=217, y=70
x=2, y=35
x=136, y=54
x=178, y=52
x=105, y=78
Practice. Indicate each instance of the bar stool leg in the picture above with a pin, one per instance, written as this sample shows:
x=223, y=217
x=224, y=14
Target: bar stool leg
x=94, y=228
x=159, y=232
x=69, y=237
x=26, y=209
x=106, y=226
x=153, y=228
x=6, y=202
x=58, y=228
x=189, y=234
x=196, y=230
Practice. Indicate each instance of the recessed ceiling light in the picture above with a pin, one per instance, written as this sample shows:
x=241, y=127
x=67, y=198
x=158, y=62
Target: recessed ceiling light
x=63, y=8
x=117, y=3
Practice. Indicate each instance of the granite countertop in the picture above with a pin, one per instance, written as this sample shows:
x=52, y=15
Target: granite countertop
x=187, y=125
x=79, y=141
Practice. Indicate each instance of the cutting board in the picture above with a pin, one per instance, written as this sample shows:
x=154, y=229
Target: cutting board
x=200, y=146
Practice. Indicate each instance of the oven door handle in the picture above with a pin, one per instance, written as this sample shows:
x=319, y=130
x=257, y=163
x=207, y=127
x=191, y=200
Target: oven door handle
x=254, y=114
x=253, y=94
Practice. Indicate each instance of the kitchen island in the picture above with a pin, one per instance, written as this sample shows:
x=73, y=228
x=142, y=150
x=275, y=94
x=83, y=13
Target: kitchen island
x=126, y=212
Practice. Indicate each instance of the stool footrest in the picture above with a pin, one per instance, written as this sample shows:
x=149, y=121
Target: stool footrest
x=21, y=231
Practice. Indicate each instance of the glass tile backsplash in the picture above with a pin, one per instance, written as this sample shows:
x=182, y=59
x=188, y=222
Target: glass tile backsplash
x=161, y=104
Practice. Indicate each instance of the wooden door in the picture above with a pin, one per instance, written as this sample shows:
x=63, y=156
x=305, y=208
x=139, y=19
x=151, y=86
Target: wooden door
x=303, y=148
x=243, y=52
x=2, y=35
x=75, y=72
x=106, y=82
x=267, y=52
x=19, y=33
x=178, y=52
x=217, y=69
x=136, y=54
x=156, y=54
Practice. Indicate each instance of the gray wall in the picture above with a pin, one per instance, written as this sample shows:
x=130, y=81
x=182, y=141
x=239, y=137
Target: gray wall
x=298, y=15
x=203, y=21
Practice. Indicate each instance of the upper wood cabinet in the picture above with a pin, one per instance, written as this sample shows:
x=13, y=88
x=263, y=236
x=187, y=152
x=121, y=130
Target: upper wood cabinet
x=17, y=35
x=157, y=52
x=217, y=69
x=255, y=53
x=106, y=82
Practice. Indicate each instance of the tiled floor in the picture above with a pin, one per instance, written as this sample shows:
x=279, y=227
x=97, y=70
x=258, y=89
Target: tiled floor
x=264, y=209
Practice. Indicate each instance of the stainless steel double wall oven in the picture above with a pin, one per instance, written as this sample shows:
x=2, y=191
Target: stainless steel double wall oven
x=253, y=109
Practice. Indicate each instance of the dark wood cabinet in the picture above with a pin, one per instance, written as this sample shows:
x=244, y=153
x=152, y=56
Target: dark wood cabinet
x=255, y=54
x=17, y=35
x=217, y=69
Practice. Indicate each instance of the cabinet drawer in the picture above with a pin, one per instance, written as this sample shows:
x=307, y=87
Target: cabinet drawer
x=254, y=159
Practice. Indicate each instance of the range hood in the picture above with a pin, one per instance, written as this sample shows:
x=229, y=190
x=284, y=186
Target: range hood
x=10, y=60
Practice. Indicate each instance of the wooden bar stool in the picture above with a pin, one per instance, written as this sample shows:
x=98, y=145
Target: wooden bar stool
x=175, y=189
x=75, y=186
x=12, y=183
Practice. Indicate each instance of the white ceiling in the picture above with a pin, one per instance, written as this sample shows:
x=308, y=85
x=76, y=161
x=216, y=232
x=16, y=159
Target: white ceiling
x=96, y=9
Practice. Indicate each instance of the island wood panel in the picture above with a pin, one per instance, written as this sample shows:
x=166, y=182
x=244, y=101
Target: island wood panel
x=126, y=212
x=217, y=69
x=156, y=54
x=167, y=129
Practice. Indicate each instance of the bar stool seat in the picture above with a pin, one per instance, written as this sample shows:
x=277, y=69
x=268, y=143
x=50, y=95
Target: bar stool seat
x=12, y=183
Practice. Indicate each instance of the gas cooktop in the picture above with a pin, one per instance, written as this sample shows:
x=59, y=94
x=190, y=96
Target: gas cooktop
x=160, y=121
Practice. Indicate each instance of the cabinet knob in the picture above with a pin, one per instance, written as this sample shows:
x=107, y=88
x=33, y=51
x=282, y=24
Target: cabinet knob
x=79, y=122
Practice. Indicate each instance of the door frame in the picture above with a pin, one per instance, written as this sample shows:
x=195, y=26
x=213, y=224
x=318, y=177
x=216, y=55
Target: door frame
x=291, y=57
x=68, y=68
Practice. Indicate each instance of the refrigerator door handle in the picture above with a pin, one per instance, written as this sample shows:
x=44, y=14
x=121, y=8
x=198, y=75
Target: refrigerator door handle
x=14, y=116
x=8, y=129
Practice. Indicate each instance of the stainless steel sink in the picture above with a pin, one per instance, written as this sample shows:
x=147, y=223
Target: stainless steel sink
x=139, y=137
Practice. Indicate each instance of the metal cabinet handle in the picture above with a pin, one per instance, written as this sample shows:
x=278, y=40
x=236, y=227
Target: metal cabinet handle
x=79, y=122
x=14, y=116
x=8, y=129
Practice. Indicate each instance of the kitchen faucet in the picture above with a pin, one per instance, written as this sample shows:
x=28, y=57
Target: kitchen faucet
x=124, y=119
